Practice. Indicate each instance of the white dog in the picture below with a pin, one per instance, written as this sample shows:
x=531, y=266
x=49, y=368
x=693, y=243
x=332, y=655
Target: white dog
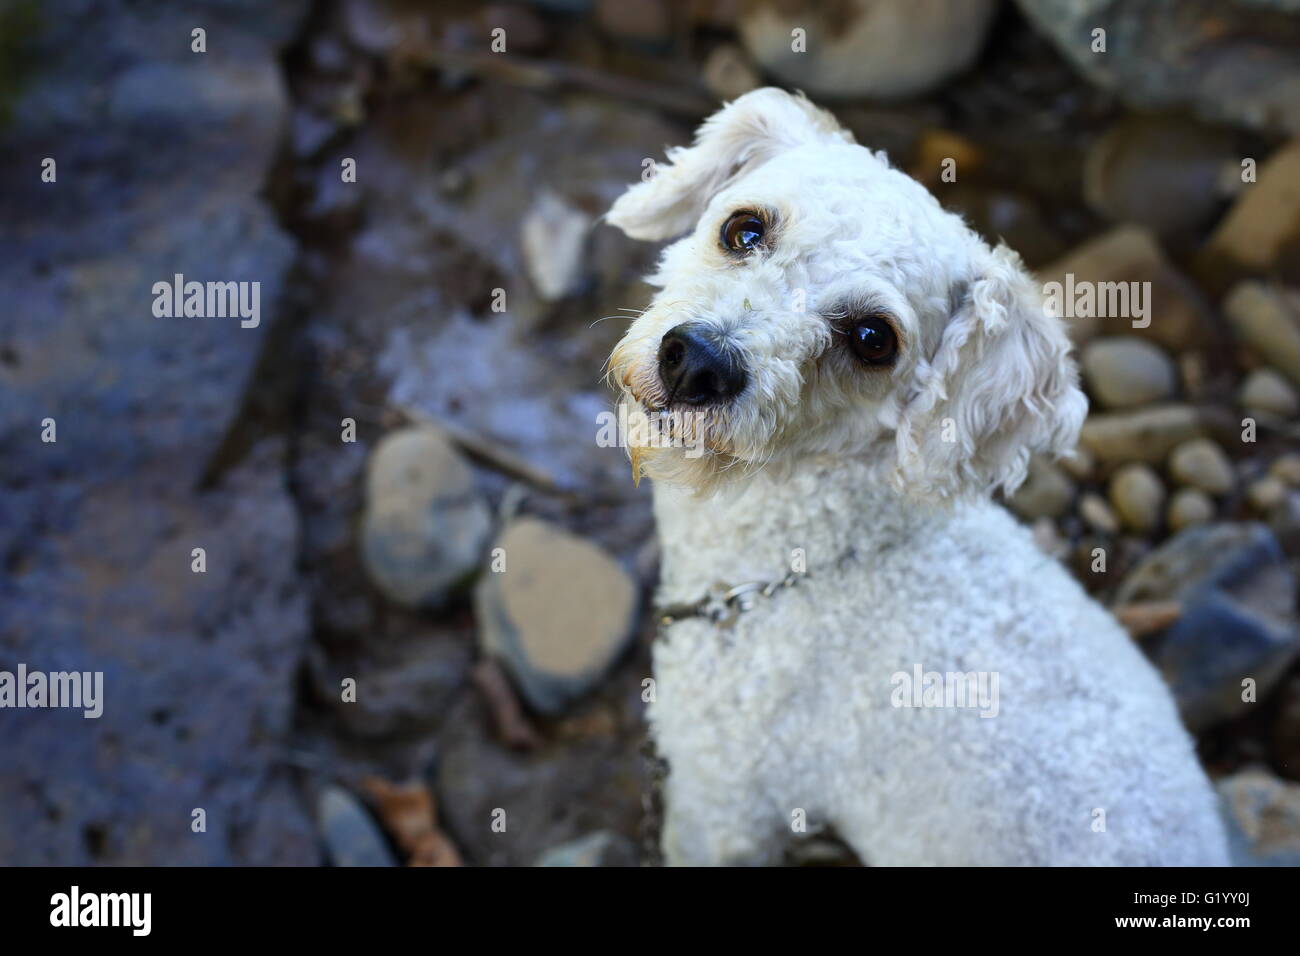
x=855, y=635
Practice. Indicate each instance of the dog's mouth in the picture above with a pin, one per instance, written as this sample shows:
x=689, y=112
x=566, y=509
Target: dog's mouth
x=666, y=437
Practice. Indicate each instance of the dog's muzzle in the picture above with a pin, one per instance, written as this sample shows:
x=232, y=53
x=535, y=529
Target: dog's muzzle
x=697, y=367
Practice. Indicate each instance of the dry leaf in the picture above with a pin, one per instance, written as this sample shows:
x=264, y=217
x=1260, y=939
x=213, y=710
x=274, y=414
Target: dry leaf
x=409, y=814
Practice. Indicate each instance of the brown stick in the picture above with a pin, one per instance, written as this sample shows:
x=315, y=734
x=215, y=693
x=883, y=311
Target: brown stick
x=1143, y=619
x=548, y=75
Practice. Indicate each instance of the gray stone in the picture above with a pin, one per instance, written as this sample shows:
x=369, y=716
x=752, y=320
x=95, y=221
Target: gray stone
x=162, y=157
x=1227, y=59
x=1266, y=494
x=557, y=616
x=1046, y=493
x=1265, y=392
x=1287, y=468
x=866, y=48
x=1238, y=621
x=1097, y=513
x=1123, y=372
x=1161, y=172
x=602, y=848
x=426, y=525
x=1267, y=811
x=1138, y=497
x=199, y=672
x=1200, y=463
x=1188, y=507
x=1268, y=320
x=351, y=834
x=1145, y=434
x=553, y=236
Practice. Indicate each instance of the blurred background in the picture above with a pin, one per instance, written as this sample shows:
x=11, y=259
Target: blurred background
x=421, y=628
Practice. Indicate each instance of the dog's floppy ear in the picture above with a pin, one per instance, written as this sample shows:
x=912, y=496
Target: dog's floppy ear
x=743, y=134
x=1000, y=387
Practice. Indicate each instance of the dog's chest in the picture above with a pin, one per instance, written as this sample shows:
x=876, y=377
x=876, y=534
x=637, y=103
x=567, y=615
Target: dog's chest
x=754, y=674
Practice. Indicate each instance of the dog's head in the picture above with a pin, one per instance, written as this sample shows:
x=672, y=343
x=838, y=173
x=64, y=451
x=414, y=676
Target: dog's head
x=824, y=304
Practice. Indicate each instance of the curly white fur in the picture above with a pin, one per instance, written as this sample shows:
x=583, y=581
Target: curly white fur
x=878, y=479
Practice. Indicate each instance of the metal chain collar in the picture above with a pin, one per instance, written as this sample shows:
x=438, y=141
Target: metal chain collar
x=722, y=604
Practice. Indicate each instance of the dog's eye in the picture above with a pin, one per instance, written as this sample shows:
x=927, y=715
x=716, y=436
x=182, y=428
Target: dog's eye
x=743, y=232
x=873, y=340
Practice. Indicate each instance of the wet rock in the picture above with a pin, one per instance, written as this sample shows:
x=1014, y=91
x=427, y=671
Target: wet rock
x=1188, y=507
x=1261, y=230
x=1267, y=393
x=558, y=614
x=1200, y=463
x=1046, y=493
x=866, y=48
x=1147, y=434
x=727, y=72
x=1233, y=61
x=426, y=525
x=1106, y=267
x=1097, y=513
x=351, y=834
x=1268, y=320
x=1123, y=372
x=162, y=157
x=1238, y=622
x=601, y=848
x=553, y=236
x=1138, y=497
x=1267, y=810
x=1161, y=172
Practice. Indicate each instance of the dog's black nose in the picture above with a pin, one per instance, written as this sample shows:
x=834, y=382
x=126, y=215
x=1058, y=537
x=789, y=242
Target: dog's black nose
x=696, y=369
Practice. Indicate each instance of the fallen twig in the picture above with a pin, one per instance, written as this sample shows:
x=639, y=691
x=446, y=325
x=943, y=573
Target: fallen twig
x=512, y=726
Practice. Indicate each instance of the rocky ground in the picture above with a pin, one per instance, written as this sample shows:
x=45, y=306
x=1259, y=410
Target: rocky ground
x=344, y=682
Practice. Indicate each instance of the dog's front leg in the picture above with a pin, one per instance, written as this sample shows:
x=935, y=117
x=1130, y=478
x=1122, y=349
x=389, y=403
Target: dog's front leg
x=711, y=821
